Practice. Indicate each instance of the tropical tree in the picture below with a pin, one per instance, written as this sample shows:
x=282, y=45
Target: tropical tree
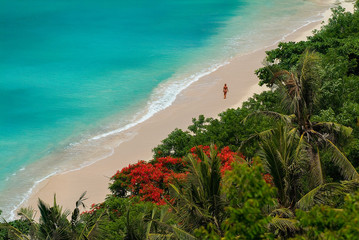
x=249, y=198
x=299, y=88
x=201, y=201
x=285, y=157
x=53, y=222
x=291, y=151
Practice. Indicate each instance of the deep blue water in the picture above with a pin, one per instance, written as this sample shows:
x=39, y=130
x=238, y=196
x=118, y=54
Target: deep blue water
x=66, y=66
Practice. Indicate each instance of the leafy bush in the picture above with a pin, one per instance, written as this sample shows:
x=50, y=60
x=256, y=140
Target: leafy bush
x=324, y=222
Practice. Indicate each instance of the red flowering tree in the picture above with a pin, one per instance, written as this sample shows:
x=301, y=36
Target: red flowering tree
x=148, y=180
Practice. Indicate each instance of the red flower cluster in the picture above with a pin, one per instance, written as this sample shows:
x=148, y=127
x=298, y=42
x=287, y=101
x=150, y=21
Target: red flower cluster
x=149, y=180
x=268, y=178
x=205, y=149
x=94, y=208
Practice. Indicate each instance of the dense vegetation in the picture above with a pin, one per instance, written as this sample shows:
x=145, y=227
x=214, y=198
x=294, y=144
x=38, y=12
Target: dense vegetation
x=284, y=165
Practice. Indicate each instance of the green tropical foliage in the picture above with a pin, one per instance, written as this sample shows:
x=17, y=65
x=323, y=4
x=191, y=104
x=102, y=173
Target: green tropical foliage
x=284, y=157
x=130, y=218
x=201, y=201
x=299, y=88
x=54, y=223
x=249, y=198
x=325, y=222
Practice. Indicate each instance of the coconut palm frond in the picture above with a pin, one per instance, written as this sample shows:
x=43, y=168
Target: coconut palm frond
x=293, y=87
x=287, y=119
x=80, y=201
x=351, y=186
x=301, y=152
x=206, y=186
x=282, y=213
x=322, y=194
x=161, y=222
x=335, y=132
x=282, y=157
x=186, y=202
x=132, y=230
x=183, y=235
x=159, y=236
x=149, y=224
x=299, y=85
x=44, y=210
x=53, y=220
x=309, y=65
x=333, y=127
x=255, y=137
x=76, y=213
x=274, y=165
x=290, y=89
x=27, y=214
x=345, y=166
x=281, y=76
x=195, y=166
x=87, y=231
x=283, y=225
x=338, y=158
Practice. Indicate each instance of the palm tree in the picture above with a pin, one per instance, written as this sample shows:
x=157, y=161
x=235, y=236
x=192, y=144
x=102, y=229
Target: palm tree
x=285, y=156
x=300, y=88
x=54, y=222
x=200, y=202
x=292, y=152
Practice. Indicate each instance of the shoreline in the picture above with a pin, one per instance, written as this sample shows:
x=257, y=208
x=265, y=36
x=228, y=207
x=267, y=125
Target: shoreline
x=201, y=97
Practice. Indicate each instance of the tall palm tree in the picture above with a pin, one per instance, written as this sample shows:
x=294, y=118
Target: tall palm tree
x=285, y=156
x=300, y=88
x=293, y=151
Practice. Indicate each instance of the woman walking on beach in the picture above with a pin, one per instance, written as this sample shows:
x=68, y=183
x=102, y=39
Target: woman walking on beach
x=225, y=90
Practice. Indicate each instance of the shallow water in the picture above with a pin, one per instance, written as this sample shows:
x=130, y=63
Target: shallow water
x=74, y=74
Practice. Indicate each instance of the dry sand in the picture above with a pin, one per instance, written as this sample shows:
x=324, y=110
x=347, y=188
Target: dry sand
x=202, y=97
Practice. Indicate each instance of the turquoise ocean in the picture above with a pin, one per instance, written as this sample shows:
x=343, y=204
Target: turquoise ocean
x=74, y=73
